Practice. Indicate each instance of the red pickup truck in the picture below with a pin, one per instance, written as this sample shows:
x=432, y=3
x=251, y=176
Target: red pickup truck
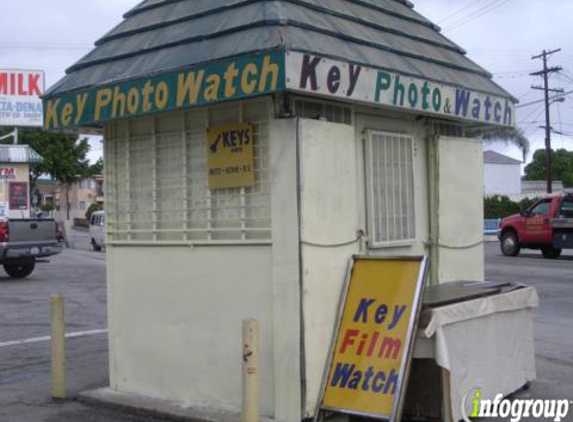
x=546, y=225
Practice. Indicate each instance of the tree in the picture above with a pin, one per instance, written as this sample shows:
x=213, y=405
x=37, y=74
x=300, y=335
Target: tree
x=561, y=166
x=93, y=208
x=510, y=135
x=65, y=158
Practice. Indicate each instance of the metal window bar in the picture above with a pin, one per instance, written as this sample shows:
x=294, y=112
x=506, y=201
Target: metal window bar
x=183, y=208
x=127, y=178
x=391, y=188
x=185, y=176
x=242, y=193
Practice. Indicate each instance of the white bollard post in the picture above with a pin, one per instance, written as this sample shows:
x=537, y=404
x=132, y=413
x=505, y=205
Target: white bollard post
x=250, y=409
x=58, y=345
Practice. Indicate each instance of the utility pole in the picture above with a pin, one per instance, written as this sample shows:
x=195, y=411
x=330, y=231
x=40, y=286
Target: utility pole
x=545, y=73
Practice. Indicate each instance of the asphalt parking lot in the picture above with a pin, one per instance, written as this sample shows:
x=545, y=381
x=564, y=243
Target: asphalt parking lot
x=80, y=275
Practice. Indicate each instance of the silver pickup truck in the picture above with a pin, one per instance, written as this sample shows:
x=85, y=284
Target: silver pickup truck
x=23, y=241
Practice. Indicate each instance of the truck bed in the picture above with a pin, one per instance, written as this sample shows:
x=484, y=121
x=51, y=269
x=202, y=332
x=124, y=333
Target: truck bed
x=28, y=238
x=562, y=232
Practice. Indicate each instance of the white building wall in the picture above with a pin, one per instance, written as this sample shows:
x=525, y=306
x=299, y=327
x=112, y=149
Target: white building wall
x=502, y=179
x=175, y=322
x=460, y=210
x=286, y=275
x=329, y=217
x=175, y=306
x=333, y=208
x=175, y=311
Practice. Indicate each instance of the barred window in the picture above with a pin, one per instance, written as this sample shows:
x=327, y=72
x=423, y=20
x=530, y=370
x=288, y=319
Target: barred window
x=390, y=189
x=328, y=111
x=156, y=184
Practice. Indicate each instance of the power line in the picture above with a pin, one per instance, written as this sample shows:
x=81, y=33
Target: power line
x=463, y=9
x=486, y=9
x=527, y=130
x=559, y=122
x=472, y=14
x=552, y=99
x=42, y=46
x=515, y=76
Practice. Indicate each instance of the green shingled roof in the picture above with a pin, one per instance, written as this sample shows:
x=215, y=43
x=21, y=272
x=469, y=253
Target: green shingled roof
x=162, y=35
x=19, y=154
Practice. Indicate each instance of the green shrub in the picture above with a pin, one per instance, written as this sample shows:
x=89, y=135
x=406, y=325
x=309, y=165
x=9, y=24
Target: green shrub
x=47, y=207
x=501, y=206
x=91, y=209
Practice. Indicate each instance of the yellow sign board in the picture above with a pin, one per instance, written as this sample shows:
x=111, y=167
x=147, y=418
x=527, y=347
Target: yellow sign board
x=230, y=159
x=371, y=352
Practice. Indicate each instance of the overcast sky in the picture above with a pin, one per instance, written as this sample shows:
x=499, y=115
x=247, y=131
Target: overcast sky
x=500, y=35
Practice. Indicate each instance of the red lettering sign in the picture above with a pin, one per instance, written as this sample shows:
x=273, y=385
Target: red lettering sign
x=7, y=173
x=21, y=83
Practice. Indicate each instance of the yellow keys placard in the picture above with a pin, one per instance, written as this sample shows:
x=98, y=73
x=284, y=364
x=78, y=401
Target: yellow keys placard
x=230, y=156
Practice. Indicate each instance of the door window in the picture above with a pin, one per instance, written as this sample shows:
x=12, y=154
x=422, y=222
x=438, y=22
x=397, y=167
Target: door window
x=541, y=208
x=567, y=208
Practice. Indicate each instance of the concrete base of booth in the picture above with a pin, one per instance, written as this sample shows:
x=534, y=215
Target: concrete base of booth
x=166, y=409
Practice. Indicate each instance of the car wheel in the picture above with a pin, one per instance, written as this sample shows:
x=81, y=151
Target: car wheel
x=510, y=244
x=550, y=252
x=19, y=270
x=95, y=246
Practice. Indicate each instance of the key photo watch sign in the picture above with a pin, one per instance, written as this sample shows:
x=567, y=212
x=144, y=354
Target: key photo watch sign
x=370, y=355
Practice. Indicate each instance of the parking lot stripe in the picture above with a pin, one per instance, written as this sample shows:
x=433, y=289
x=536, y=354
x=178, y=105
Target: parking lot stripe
x=47, y=338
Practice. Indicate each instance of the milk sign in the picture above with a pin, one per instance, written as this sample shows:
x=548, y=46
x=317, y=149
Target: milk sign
x=20, y=103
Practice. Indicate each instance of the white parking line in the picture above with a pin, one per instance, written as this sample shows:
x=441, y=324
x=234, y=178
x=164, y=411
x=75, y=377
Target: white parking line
x=47, y=338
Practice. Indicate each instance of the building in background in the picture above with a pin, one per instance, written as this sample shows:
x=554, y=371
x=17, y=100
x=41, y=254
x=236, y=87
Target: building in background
x=49, y=192
x=502, y=174
x=538, y=188
x=81, y=195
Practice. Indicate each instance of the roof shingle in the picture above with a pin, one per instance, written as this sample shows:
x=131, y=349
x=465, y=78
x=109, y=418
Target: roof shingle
x=163, y=35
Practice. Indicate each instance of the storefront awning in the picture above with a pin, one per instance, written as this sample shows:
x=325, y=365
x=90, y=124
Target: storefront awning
x=19, y=154
x=161, y=49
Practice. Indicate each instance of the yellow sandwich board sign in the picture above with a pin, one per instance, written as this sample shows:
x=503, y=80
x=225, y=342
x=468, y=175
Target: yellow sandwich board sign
x=371, y=352
x=230, y=156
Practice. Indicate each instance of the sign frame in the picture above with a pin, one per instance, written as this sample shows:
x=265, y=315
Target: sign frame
x=408, y=349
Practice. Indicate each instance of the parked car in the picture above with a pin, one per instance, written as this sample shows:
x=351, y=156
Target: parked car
x=97, y=230
x=23, y=241
x=546, y=225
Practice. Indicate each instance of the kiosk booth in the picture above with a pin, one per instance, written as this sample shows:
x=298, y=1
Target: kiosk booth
x=251, y=148
x=15, y=163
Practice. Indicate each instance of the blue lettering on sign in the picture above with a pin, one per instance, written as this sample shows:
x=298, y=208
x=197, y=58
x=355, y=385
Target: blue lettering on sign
x=462, y=102
x=346, y=376
x=486, y=109
x=380, y=313
x=6, y=106
x=28, y=107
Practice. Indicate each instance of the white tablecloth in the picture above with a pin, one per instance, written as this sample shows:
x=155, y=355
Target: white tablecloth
x=485, y=343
